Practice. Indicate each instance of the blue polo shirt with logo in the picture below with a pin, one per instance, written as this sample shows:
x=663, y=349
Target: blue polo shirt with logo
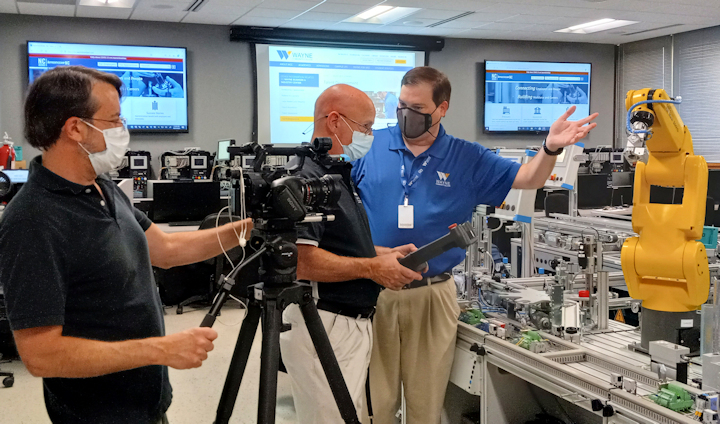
x=458, y=176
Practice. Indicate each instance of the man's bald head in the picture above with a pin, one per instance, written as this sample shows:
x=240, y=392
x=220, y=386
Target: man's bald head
x=340, y=110
x=342, y=98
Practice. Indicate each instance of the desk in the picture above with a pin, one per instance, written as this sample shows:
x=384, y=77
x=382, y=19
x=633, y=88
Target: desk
x=179, y=229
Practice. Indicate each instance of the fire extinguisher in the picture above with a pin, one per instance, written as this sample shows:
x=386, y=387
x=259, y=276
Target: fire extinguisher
x=7, y=153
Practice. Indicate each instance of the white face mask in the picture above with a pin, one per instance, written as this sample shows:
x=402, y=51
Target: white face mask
x=359, y=146
x=116, y=145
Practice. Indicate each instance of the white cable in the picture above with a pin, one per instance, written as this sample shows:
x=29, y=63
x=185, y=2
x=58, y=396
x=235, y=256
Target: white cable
x=241, y=319
x=217, y=233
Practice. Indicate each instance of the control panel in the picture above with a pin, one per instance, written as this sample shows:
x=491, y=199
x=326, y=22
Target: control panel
x=564, y=174
x=191, y=164
x=519, y=205
x=135, y=166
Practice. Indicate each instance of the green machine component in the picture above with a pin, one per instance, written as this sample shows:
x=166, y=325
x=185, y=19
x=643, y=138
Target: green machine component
x=471, y=316
x=527, y=339
x=709, y=237
x=673, y=397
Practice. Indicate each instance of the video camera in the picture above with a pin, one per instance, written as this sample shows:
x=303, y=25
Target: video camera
x=273, y=192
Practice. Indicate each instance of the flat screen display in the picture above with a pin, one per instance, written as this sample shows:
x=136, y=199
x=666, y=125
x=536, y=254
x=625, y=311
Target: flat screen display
x=290, y=79
x=222, y=151
x=155, y=78
x=530, y=96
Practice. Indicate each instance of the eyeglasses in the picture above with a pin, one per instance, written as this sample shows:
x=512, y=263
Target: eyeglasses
x=368, y=129
x=120, y=121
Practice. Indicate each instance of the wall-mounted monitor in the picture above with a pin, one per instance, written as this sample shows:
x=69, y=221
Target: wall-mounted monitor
x=527, y=97
x=290, y=79
x=155, y=78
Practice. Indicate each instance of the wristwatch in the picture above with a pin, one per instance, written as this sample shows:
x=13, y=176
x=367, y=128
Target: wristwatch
x=550, y=152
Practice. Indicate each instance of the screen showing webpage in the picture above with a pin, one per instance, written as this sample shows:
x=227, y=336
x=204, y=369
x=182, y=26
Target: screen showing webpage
x=154, y=78
x=290, y=79
x=530, y=96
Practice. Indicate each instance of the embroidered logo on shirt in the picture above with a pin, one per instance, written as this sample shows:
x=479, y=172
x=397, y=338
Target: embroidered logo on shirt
x=442, y=179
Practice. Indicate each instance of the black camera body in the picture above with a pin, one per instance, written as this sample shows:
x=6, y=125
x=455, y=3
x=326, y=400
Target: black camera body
x=274, y=192
x=278, y=201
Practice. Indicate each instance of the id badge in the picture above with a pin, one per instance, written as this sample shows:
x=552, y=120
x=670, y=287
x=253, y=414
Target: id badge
x=406, y=217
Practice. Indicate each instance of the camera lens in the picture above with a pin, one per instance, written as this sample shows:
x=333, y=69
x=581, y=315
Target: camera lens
x=322, y=192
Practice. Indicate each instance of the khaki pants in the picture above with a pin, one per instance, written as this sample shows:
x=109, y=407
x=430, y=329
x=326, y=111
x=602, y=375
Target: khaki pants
x=414, y=344
x=351, y=340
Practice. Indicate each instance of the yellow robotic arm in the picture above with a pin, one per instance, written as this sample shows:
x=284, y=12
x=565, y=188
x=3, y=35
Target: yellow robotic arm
x=665, y=266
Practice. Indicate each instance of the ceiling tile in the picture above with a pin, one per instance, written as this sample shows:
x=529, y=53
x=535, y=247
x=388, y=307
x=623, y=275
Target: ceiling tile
x=301, y=5
x=161, y=6
x=356, y=2
x=495, y=26
x=207, y=18
x=482, y=16
x=214, y=9
x=248, y=4
x=352, y=9
x=262, y=22
x=532, y=19
x=259, y=12
x=348, y=26
x=435, y=14
x=307, y=24
x=412, y=22
x=103, y=12
x=46, y=9
x=388, y=29
x=148, y=14
x=330, y=17
x=462, y=23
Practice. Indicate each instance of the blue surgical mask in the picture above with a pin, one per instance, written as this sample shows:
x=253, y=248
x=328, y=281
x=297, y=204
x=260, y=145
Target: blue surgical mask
x=359, y=146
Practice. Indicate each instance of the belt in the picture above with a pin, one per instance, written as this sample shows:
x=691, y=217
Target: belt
x=345, y=310
x=426, y=281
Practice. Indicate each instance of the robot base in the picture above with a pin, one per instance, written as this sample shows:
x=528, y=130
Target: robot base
x=682, y=328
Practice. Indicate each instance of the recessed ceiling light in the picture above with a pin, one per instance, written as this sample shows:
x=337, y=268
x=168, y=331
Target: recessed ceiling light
x=381, y=15
x=596, y=26
x=414, y=23
x=377, y=10
x=589, y=24
x=162, y=6
x=108, y=1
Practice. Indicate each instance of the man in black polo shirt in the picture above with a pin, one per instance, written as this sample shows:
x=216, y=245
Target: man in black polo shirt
x=347, y=271
x=76, y=263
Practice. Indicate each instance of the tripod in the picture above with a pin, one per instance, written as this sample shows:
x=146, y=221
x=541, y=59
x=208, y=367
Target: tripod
x=267, y=300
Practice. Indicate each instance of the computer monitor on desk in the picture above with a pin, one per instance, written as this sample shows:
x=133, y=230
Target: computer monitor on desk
x=185, y=202
x=17, y=176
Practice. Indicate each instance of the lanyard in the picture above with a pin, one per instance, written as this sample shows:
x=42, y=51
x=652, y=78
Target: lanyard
x=403, y=179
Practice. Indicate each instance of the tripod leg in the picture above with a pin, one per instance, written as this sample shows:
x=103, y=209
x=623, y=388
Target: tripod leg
x=269, y=363
x=329, y=363
x=238, y=364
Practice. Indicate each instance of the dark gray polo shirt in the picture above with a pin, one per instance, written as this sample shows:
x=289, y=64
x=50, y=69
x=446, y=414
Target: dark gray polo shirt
x=348, y=235
x=70, y=258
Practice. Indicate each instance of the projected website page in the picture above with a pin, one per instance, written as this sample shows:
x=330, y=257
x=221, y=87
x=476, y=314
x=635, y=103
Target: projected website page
x=155, y=81
x=530, y=96
x=290, y=78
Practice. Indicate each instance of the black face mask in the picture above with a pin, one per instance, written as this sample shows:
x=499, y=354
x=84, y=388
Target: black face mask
x=412, y=123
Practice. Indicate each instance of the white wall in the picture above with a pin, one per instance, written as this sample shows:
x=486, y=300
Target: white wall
x=220, y=80
x=220, y=95
x=463, y=62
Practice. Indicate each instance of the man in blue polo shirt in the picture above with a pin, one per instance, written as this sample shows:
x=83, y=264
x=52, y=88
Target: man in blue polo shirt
x=415, y=182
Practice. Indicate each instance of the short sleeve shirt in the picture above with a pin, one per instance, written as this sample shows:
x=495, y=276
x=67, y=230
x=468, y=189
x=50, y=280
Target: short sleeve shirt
x=73, y=258
x=348, y=235
x=455, y=176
